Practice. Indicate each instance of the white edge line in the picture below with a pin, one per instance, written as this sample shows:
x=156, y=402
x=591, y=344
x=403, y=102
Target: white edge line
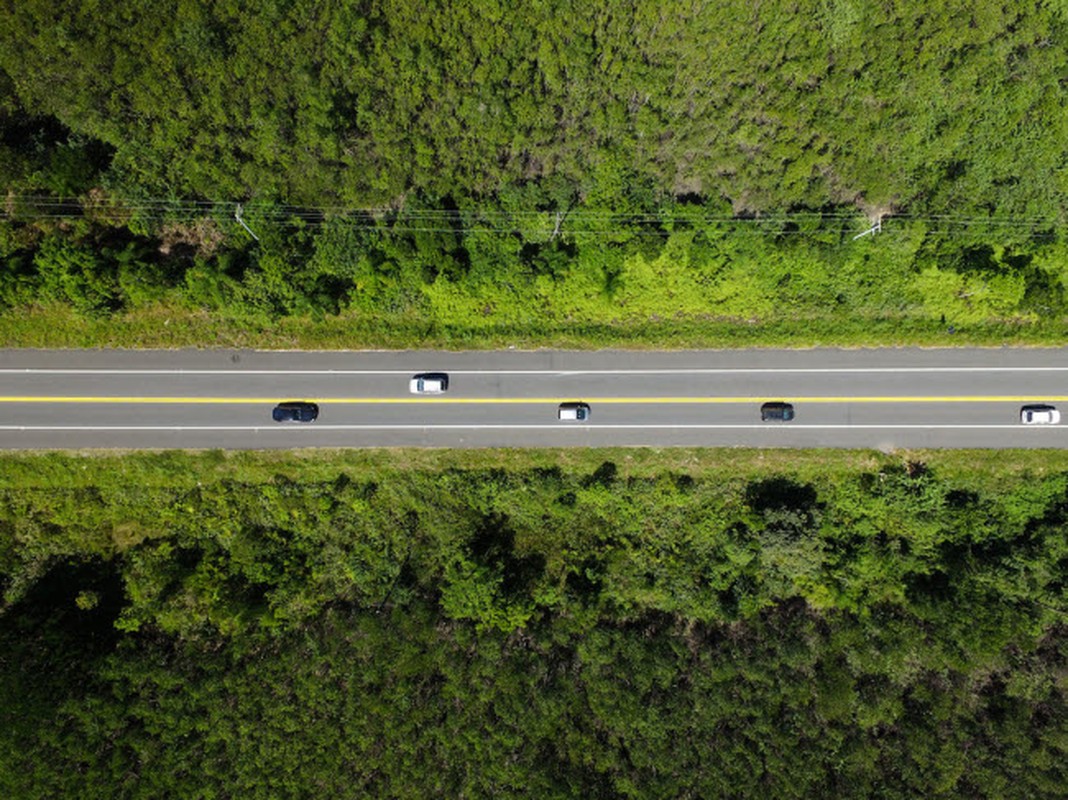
x=544, y=427
x=555, y=372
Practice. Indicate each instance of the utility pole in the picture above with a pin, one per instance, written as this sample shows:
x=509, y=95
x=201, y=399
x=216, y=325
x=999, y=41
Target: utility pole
x=241, y=222
x=872, y=231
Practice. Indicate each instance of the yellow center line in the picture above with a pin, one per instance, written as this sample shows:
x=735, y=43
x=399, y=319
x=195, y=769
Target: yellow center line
x=535, y=400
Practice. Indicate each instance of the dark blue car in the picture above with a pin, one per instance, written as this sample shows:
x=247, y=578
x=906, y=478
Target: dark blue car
x=776, y=412
x=295, y=411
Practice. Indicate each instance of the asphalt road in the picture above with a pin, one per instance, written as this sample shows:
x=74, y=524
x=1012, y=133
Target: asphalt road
x=900, y=398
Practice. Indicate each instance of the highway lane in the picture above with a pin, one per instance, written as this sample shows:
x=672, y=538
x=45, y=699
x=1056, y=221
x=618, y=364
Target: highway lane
x=844, y=398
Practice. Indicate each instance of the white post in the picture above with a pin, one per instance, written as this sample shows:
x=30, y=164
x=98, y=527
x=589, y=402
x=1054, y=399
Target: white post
x=874, y=229
x=241, y=222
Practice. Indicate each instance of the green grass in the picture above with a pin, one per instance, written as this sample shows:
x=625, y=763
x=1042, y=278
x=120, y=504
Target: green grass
x=184, y=468
x=171, y=327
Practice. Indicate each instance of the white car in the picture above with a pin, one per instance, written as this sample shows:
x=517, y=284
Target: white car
x=574, y=412
x=429, y=383
x=1039, y=415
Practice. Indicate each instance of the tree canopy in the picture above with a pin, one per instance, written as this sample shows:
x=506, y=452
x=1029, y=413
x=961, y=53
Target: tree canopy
x=471, y=167
x=628, y=625
x=953, y=107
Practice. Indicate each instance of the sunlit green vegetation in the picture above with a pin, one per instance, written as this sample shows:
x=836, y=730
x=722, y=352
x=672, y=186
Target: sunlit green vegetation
x=582, y=173
x=553, y=624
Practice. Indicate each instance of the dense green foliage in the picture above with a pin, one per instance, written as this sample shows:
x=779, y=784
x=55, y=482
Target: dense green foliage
x=954, y=104
x=602, y=624
x=630, y=169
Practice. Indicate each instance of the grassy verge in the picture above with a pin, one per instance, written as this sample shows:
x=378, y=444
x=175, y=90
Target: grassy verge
x=989, y=469
x=171, y=327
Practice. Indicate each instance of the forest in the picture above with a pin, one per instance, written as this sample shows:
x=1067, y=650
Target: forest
x=611, y=624
x=350, y=174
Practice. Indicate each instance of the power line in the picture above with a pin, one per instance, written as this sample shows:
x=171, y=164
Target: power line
x=162, y=203
x=60, y=209
x=471, y=221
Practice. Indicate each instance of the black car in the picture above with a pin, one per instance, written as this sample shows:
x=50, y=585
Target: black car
x=295, y=411
x=776, y=412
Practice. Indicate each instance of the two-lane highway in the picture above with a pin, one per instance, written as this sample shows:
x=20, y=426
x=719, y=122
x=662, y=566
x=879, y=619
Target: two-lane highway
x=842, y=398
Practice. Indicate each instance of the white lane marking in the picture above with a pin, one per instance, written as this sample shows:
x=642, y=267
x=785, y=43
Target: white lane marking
x=13, y=400
x=547, y=426
x=551, y=372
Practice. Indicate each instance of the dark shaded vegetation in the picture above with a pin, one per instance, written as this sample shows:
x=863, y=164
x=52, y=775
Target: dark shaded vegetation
x=269, y=626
